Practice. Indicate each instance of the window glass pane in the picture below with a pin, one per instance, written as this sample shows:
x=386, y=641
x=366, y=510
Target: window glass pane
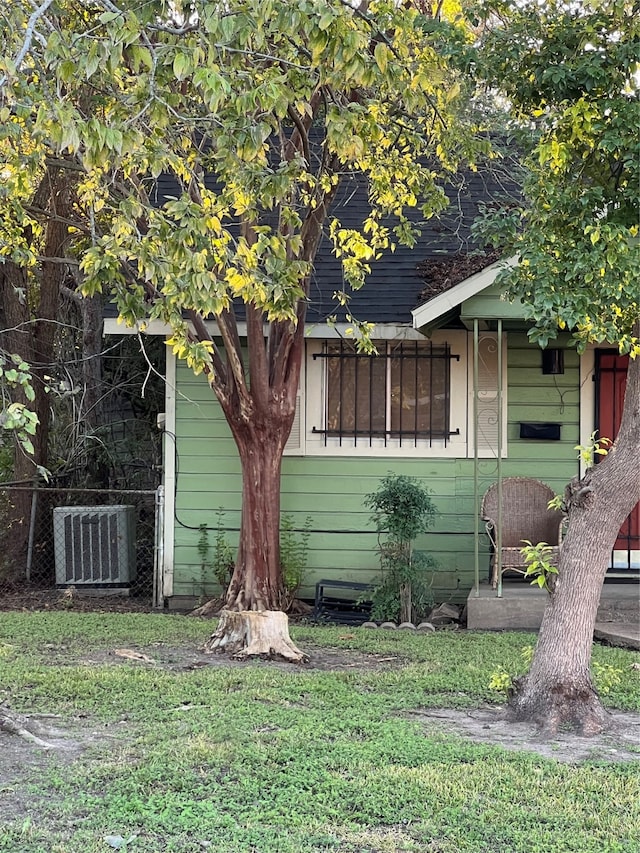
x=355, y=392
x=416, y=403
x=377, y=379
x=340, y=385
x=419, y=401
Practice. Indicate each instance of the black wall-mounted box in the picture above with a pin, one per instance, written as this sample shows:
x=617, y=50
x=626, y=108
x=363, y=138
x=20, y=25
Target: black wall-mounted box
x=540, y=432
x=552, y=361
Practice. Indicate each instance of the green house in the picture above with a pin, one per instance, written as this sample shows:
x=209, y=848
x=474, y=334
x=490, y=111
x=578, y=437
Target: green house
x=457, y=397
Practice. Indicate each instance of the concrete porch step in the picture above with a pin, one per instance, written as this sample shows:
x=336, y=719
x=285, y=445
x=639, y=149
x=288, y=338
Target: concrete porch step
x=624, y=634
x=521, y=607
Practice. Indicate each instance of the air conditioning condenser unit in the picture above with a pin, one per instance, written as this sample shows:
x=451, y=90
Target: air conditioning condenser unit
x=94, y=545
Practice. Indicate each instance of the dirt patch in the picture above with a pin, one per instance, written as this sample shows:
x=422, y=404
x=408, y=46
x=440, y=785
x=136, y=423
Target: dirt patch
x=488, y=725
x=184, y=658
x=22, y=761
x=56, y=599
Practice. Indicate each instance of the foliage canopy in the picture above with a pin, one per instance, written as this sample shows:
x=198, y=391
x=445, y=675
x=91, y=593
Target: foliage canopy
x=570, y=72
x=256, y=109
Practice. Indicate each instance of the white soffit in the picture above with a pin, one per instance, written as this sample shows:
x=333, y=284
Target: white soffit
x=381, y=331
x=450, y=299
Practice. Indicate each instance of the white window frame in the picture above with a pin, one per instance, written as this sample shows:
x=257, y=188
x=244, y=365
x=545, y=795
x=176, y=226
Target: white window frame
x=297, y=441
x=455, y=446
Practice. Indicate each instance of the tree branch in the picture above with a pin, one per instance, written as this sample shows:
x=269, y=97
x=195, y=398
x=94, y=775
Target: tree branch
x=233, y=348
x=67, y=261
x=72, y=295
x=281, y=340
x=60, y=163
x=258, y=372
x=311, y=231
x=302, y=134
x=202, y=334
x=40, y=212
x=28, y=37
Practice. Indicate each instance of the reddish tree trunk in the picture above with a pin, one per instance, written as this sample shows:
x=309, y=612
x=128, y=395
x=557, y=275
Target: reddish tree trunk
x=558, y=690
x=257, y=580
x=256, y=586
x=260, y=413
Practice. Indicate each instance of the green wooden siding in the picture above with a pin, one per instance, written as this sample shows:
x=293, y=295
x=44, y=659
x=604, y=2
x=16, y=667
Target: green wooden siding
x=489, y=305
x=331, y=490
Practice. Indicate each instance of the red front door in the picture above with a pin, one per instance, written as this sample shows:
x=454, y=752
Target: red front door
x=611, y=381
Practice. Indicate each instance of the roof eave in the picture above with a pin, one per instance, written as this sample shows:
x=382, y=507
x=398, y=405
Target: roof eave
x=433, y=310
x=323, y=331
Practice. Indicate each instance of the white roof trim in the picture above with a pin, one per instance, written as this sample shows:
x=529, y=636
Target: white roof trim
x=381, y=331
x=111, y=326
x=153, y=327
x=444, y=302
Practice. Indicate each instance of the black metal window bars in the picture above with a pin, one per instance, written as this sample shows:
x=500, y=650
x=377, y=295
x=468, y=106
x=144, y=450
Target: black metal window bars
x=401, y=393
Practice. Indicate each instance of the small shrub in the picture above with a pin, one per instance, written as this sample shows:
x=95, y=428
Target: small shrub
x=224, y=555
x=218, y=558
x=294, y=547
x=402, y=509
x=501, y=681
x=606, y=676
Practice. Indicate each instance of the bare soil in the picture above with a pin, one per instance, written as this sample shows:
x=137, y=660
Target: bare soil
x=56, y=599
x=488, y=725
x=185, y=658
x=70, y=738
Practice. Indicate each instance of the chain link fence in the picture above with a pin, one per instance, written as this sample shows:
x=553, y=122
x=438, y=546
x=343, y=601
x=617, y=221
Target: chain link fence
x=62, y=544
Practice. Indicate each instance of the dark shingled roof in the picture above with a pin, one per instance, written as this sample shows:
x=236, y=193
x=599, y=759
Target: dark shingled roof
x=443, y=255
x=399, y=281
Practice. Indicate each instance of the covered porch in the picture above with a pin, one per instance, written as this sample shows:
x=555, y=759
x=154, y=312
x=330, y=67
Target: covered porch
x=508, y=443
x=511, y=602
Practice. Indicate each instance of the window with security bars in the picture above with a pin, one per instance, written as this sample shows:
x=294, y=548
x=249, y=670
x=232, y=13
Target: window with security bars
x=402, y=393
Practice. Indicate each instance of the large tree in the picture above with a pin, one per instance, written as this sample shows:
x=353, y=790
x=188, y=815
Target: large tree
x=255, y=111
x=35, y=209
x=570, y=74
x=42, y=221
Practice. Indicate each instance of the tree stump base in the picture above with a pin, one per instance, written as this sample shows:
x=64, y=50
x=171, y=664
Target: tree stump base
x=560, y=706
x=252, y=633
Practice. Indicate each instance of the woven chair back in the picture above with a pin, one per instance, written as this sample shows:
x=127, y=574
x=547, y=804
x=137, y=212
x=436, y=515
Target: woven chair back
x=525, y=512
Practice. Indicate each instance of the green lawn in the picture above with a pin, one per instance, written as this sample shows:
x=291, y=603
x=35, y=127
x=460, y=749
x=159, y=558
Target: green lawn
x=278, y=759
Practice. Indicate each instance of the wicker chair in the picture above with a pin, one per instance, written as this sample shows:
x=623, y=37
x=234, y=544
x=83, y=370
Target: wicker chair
x=525, y=515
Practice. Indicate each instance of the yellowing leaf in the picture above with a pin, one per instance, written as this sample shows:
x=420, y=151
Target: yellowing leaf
x=381, y=56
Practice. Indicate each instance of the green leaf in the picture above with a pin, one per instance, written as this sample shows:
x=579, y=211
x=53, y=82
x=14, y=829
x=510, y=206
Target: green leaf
x=381, y=56
x=107, y=17
x=27, y=444
x=327, y=17
x=67, y=70
x=181, y=65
